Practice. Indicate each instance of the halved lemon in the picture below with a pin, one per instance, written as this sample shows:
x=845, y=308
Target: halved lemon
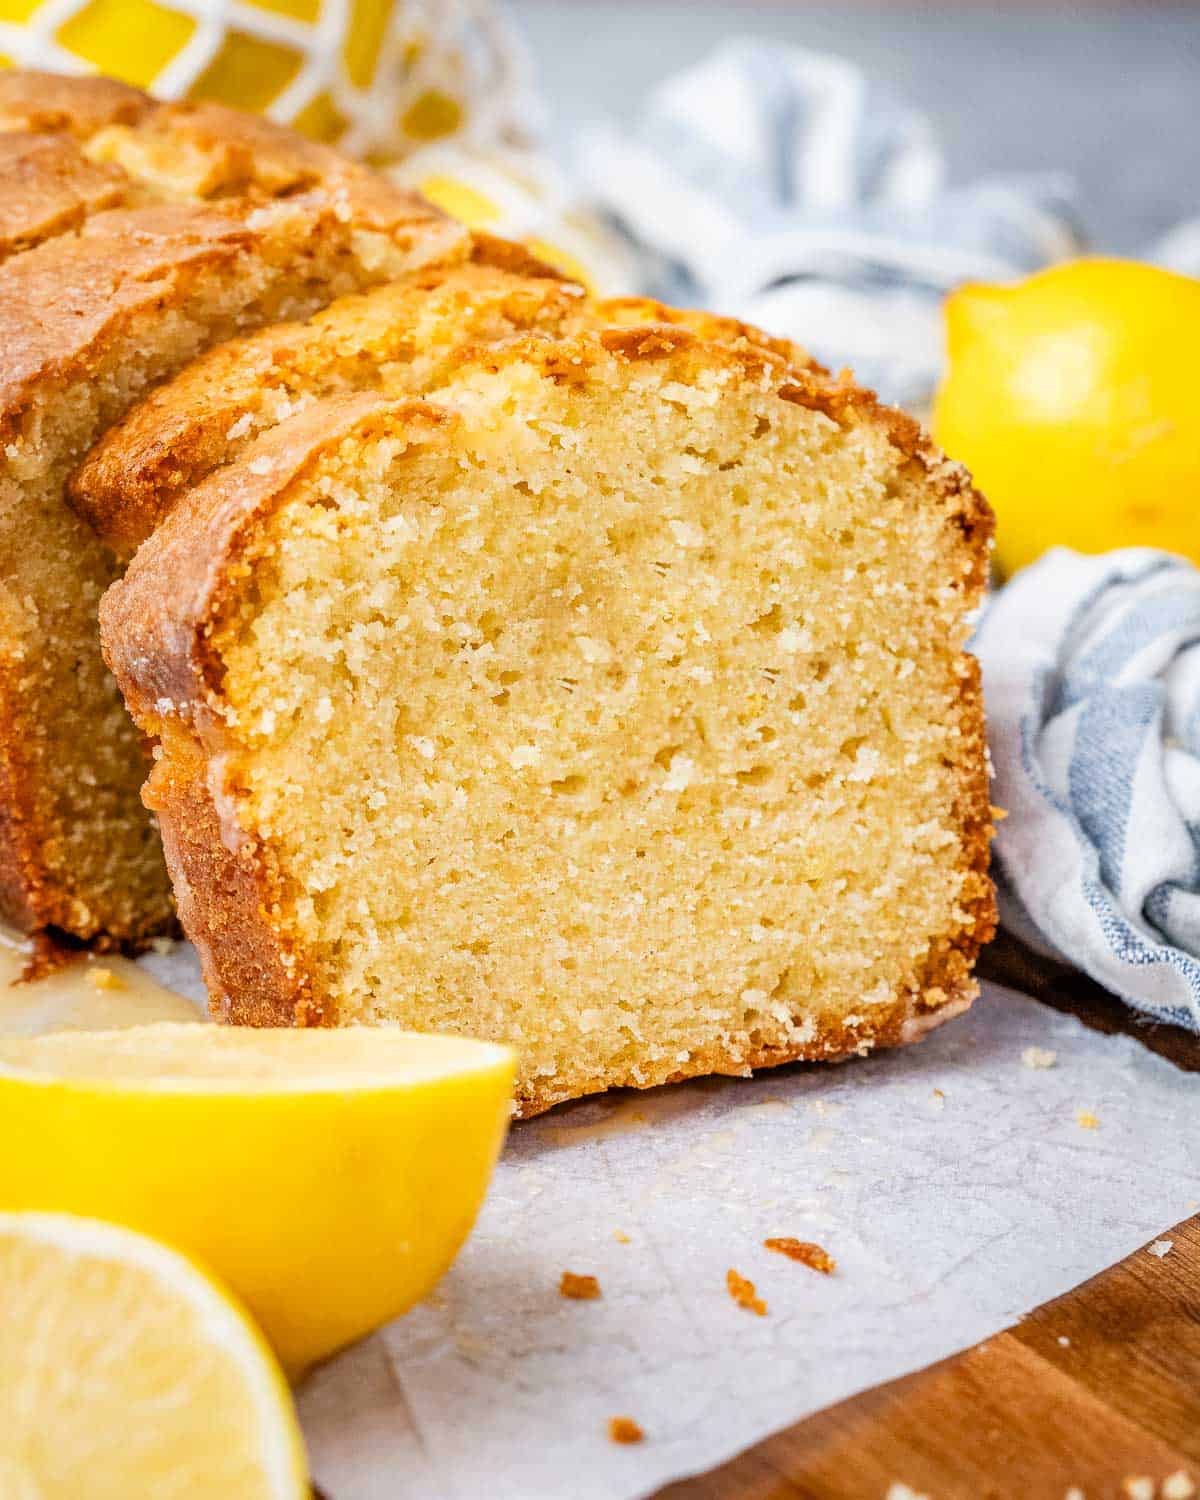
x=126, y=1371
x=328, y=1177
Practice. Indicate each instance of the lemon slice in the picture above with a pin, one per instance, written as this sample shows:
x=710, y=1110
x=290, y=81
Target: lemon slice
x=327, y=1176
x=125, y=1371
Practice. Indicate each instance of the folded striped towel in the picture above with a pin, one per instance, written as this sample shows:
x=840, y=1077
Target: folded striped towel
x=1091, y=672
x=783, y=187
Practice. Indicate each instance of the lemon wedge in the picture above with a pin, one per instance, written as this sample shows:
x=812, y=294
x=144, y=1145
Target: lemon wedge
x=328, y=1177
x=125, y=1371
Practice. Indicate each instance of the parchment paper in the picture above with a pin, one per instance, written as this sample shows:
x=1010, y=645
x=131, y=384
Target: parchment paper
x=954, y=1184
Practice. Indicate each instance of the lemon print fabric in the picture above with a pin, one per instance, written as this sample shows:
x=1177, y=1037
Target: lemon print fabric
x=1071, y=397
x=378, y=77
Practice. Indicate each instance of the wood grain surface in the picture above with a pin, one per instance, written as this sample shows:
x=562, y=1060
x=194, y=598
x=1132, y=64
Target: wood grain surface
x=1096, y=1393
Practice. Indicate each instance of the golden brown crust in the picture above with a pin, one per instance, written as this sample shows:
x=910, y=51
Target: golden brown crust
x=643, y=311
x=215, y=406
x=58, y=302
x=222, y=896
x=159, y=653
x=32, y=100
x=23, y=902
x=48, y=186
x=189, y=148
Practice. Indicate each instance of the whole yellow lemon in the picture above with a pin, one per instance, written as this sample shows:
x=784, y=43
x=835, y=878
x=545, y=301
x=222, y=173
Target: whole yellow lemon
x=1072, y=396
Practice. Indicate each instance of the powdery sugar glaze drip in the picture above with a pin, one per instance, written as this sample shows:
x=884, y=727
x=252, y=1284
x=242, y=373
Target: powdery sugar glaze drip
x=94, y=992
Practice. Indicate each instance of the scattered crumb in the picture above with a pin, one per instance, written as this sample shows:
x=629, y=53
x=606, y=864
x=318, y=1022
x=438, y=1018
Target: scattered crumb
x=1178, y=1486
x=1138, y=1487
x=938, y=1099
x=899, y=1491
x=1064, y=1341
x=743, y=1293
x=624, y=1430
x=1161, y=1248
x=1039, y=1057
x=578, y=1288
x=621, y=1237
x=1086, y=1120
x=162, y=946
x=805, y=1252
x=101, y=978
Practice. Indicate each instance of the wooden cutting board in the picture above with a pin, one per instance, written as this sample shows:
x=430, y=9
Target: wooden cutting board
x=1090, y=1393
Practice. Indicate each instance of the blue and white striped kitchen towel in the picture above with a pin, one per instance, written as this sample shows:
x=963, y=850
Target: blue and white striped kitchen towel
x=784, y=187
x=1091, y=672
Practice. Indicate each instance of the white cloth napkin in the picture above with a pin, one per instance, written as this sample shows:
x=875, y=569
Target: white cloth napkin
x=1091, y=671
x=784, y=187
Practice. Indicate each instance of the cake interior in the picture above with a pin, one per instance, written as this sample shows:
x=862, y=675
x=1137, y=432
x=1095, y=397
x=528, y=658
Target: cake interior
x=618, y=716
x=65, y=736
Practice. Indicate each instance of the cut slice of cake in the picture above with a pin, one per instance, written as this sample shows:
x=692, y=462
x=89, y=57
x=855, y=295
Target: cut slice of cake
x=396, y=340
x=611, y=702
x=97, y=304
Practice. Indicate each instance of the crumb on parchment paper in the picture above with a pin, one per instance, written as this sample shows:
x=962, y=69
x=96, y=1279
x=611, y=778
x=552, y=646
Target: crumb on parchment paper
x=621, y=1237
x=578, y=1288
x=1086, y=1120
x=624, y=1430
x=805, y=1251
x=1039, y=1057
x=743, y=1293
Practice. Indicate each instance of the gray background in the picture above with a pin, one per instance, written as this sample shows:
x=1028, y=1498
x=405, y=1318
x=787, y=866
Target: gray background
x=1111, y=95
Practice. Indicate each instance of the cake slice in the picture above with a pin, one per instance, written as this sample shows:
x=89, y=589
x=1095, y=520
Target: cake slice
x=122, y=271
x=397, y=340
x=611, y=701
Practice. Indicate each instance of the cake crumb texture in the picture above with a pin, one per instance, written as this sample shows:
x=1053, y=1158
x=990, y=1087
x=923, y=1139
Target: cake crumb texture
x=133, y=235
x=611, y=701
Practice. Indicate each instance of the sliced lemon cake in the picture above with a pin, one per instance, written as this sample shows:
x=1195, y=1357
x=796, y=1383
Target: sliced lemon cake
x=399, y=339
x=611, y=701
x=138, y=234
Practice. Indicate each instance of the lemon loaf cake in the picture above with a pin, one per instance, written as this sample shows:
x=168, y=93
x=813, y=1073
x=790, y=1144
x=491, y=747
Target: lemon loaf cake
x=139, y=234
x=610, y=701
x=398, y=340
